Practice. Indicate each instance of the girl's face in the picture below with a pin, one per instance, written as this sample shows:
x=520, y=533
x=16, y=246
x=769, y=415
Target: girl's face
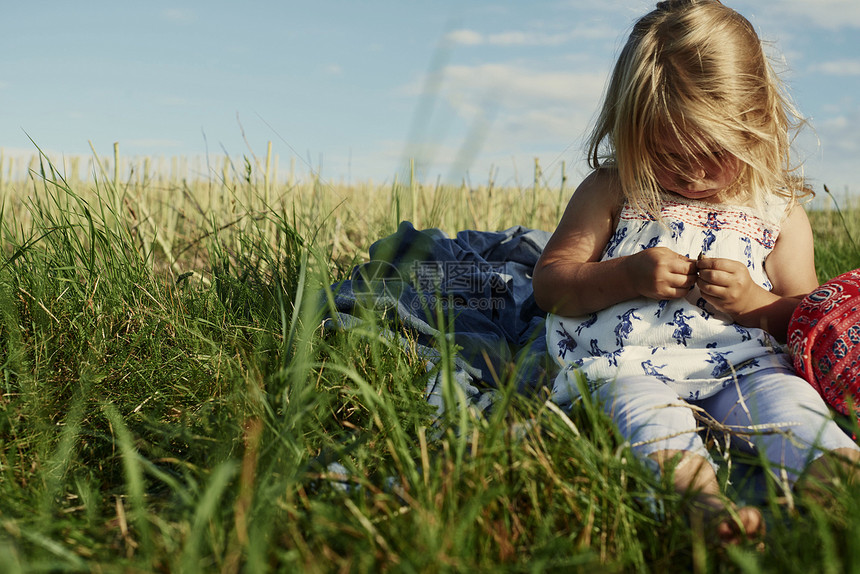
x=702, y=176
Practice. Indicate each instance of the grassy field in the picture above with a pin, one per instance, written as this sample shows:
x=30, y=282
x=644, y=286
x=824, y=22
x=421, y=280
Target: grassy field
x=170, y=402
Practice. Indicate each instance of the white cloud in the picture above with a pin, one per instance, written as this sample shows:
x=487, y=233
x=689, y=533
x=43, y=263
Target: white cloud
x=516, y=38
x=839, y=68
x=178, y=15
x=833, y=148
x=467, y=37
x=840, y=133
x=520, y=86
x=333, y=70
x=512, y=113
x=832, y=14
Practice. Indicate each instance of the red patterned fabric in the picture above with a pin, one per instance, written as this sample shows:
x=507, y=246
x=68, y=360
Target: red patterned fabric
x=824, y=341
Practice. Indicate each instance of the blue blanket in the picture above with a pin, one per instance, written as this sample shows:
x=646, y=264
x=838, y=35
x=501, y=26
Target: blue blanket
x=481, y=283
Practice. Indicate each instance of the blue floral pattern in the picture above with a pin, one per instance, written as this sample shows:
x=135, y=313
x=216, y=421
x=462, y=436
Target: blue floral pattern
x=684, y=342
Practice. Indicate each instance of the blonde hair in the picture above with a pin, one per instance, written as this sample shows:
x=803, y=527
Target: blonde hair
x=696, y=71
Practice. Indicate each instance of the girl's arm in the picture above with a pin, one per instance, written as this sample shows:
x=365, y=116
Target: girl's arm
x=569, y=278
x=726, y=284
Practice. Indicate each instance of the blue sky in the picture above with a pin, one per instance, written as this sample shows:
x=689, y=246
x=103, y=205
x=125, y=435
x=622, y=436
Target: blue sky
x=355, y=88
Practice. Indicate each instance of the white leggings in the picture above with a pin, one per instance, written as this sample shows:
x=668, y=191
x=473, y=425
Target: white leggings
x=653, y=418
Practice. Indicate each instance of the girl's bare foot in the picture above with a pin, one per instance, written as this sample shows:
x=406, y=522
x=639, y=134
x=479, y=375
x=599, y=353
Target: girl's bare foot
x=693, y=476
x=730, y=524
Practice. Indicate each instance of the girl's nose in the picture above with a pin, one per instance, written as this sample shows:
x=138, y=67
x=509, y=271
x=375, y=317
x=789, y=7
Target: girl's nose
x=697, y=171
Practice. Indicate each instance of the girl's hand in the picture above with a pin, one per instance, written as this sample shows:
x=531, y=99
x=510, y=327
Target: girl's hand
x=726, y=284
x=660, y=273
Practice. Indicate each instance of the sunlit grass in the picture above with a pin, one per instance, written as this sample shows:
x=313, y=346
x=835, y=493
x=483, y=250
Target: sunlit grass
x=836, y=230
x=171, y=402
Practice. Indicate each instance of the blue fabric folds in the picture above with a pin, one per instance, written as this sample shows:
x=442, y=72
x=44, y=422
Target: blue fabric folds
x=481, y=283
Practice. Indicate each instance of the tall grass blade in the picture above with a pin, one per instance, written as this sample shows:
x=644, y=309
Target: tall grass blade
x=842, y=218
x=134, y=482
x=206, y=512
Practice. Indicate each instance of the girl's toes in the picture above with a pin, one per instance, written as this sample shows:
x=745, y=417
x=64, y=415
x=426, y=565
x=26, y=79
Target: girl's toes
x=747, y=525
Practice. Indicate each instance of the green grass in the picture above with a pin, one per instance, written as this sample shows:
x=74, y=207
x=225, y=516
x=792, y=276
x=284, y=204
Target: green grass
x=836, y=230
x=153, y=420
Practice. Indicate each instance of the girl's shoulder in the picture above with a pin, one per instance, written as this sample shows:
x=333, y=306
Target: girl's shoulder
x=605, y=179
x=602, y=187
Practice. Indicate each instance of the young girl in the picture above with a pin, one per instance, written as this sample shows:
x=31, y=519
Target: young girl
x=675, y=269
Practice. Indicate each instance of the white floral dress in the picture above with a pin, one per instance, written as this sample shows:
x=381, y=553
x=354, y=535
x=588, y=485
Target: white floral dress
x=685, y=342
